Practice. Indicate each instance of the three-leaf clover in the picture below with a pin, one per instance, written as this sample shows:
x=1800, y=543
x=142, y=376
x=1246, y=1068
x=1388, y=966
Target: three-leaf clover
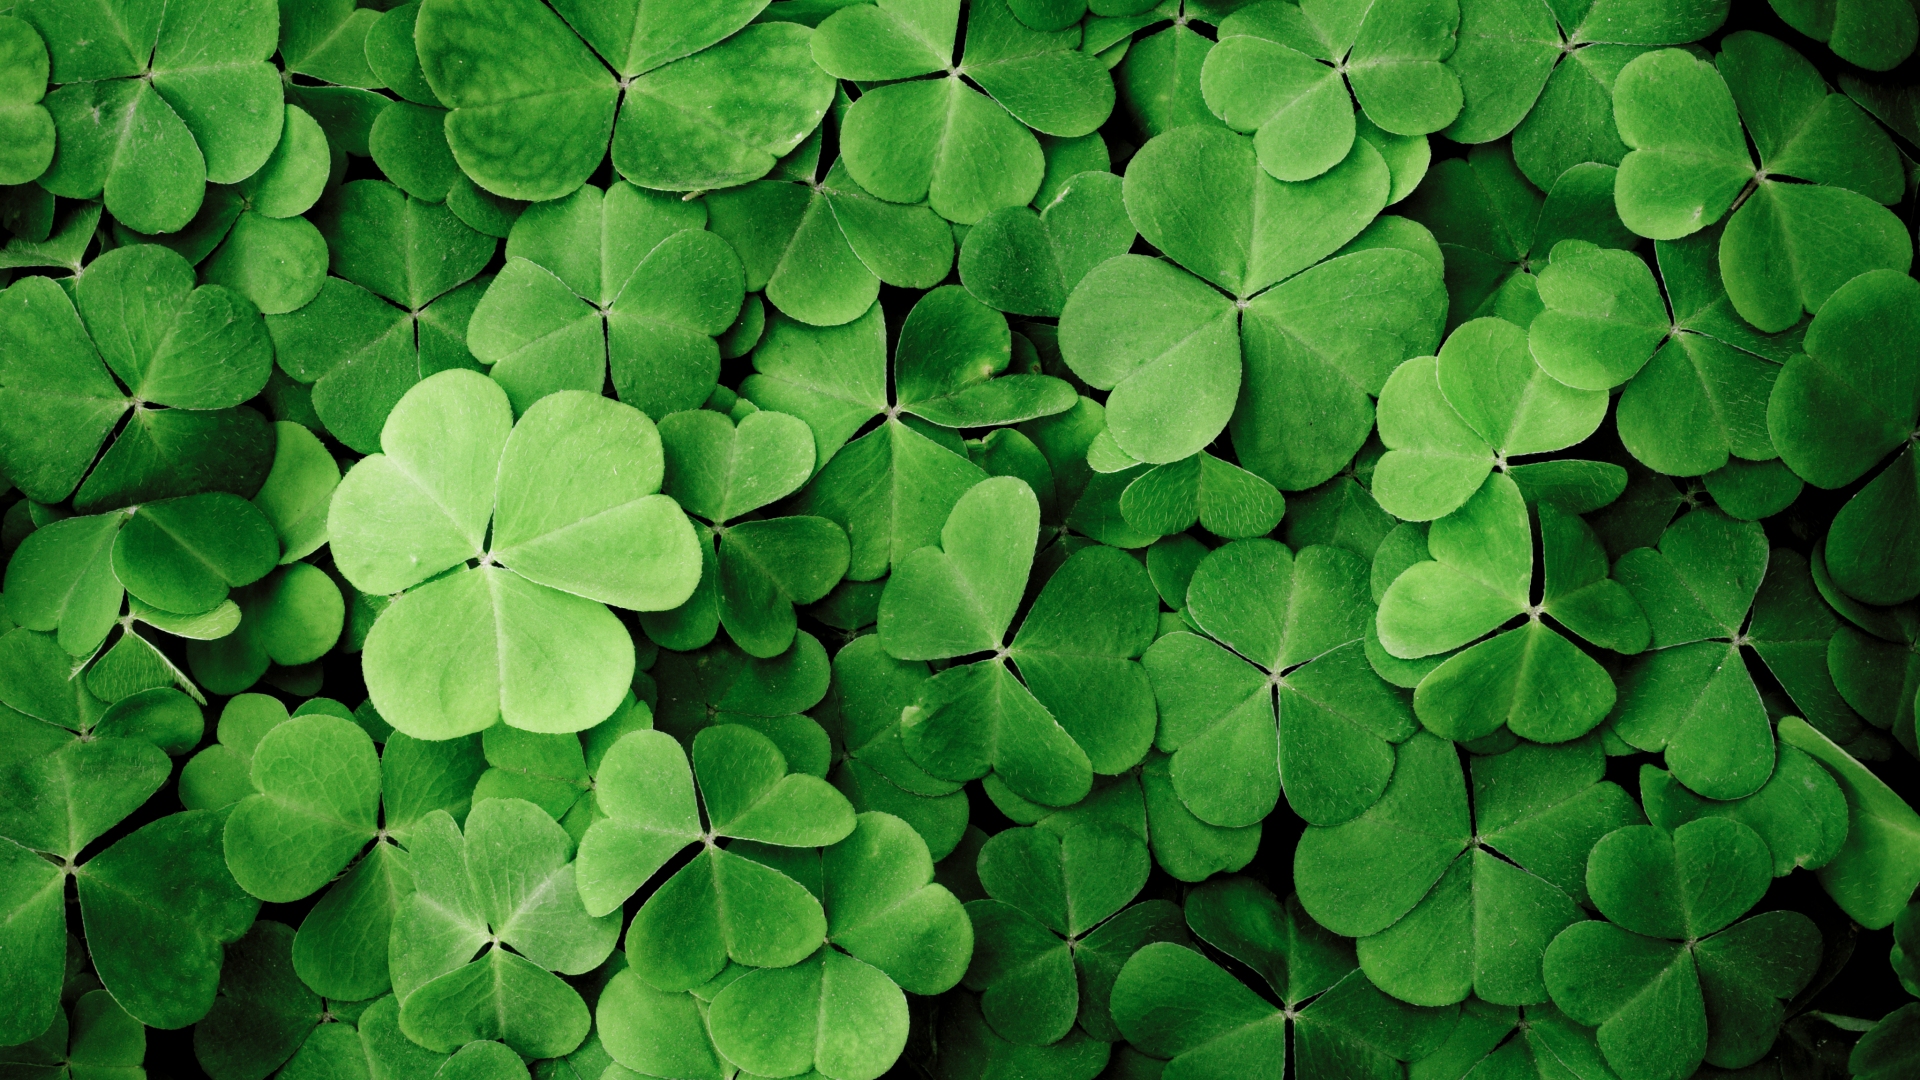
x=553, y=543
x=1684, y=980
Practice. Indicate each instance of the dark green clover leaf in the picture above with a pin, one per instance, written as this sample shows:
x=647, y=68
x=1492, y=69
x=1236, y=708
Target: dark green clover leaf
x=1169, y=345
x=564, y=541
x=758, y=569
x=1683, y=981
x=1871, y=33
x=1418, y=880
x=939, y=139
x=707, y=104
x=1874, y=661
x=328, y=41
x=1710, y=589
x=722, y=905
x=293, y=616
x=1549, y=72
x=1799, y=812
x=137, y=316
x=1537, y=1041
x=28, y=127
x=1530, y=679
x=1886, y=1051
x=1496, y=229
x=1173, y=1003
x=625, y=282
x=971, y=1050
x=1027, y=263
x=892, y=488
x=1085, y=706
x=265, y=1016
x=820, y=248
x=1448, y=422
x=1287, y=624
x=720, y=684
x=157, y=100
x=1842, y=406
x=1055, y=924
x=841, y=1012
x=97, y=1041
x=502, y=888
x=358, y=350
x=1690, y=165
x=1277, y=73
x=1879, y=865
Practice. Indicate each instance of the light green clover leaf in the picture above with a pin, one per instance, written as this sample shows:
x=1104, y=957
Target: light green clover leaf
x=23, y=82
x=563, y=542
x=1027, y=263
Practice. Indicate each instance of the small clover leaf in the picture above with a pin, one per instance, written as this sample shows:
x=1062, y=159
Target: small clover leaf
x=1028, y=264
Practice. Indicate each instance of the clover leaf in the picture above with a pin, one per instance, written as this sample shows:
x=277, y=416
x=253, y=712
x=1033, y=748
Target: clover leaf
x=1496, y=883
x=192, y=96
x=625, y=282
x=1278, y=72
x=1228, y=501
x=1872, y=660
x=1028, y=263
x=1479, y=577
x=264, y=1015
x=98, y=1039
x=29, y=127
x=534, y=106
x=1154, y=335
x=721, y=684
x=501, y=887
x=969, y=1047
x=1869, y=875
x=137, y=322
x=1084, y=705
x=1673, y=947
x=966, y=153
x=1799, y=812
x=358, y=350
x=564, y=541
x=1683, y=117
x=892, y=488
x=1874, y=35
x=1288, y=624
x=1710, y=589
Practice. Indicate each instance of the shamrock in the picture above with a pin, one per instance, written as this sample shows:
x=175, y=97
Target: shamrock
x=504, y=881
x=1878, y=866
x=1288, y=624
x=1058, y=927
x=28, y=126
x=1538, y=1040
x=99, y=1039
x=1084, y=705
x=1278, y=72
x=357, y=349
x=624, y=280
x=1449, y=421
x=134, y=319
x=1871, y=33
x=754, y=570
x=1495, y=884
x=564, y=541
x=265, y=1015
x=703, y=100
x=820, y=246
x=1153, y=334
x=157, y=905
x=892, y=488
x=1710, y=589
x=1027, y=263
x=1685, y=980
x=188, y=97
x=1546, y=74
x=1843, y=405
x=299, y=826
x=966, y=153
x=1689, y=166
x=1495, y=228
x=1480, y=576
x=1174, y=1003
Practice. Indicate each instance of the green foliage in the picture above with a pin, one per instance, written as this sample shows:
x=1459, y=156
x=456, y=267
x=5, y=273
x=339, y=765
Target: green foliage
x=972, y=539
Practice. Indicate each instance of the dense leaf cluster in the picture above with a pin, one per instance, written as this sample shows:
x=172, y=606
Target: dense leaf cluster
x=1020, y=539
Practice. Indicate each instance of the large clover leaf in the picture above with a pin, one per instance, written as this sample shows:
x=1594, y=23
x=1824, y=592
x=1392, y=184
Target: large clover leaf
x=136, y=334
x=563, y=542
x=1495, y=884
x=28, y=126
x=502, y=888
x=1709, y=590
x=1690, y=165
x=1530, y=679
x=892, y=488
x=1278, y=72
x=1085, y=705
x=702, y=103
x=1685, y=982
x=188, y=89
x=1288, y=624
x=1170, y=346
x=625, y=282
x=394, y=312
